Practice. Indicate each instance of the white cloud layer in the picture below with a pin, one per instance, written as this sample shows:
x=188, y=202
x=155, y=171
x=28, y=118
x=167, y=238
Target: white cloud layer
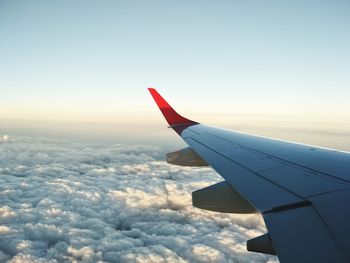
x=74, y=202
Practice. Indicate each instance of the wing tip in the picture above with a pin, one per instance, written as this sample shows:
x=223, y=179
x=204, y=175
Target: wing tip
x=172, y=117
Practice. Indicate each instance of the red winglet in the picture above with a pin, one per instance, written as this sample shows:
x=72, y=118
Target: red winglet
x=173, y=118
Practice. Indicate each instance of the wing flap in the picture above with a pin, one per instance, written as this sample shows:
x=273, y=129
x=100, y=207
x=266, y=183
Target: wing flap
x=334, y=209
x=300, y=235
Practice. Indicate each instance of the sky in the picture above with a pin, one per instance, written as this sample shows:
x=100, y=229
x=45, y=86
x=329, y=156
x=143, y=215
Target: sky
x=68, y=67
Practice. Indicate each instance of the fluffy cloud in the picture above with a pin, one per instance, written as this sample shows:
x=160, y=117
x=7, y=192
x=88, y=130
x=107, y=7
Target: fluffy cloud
x=75, y=202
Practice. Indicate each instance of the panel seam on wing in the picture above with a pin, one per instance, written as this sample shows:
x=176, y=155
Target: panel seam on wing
x=244, y=167
x=289, y=162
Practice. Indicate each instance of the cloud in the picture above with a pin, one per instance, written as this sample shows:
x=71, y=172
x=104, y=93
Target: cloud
x=79, y=202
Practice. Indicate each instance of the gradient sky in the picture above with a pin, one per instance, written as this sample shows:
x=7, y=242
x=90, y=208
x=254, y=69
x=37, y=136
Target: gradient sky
x=91, y=61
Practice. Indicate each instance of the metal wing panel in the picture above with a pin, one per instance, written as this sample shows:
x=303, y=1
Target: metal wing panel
x=260, y=192
x=334, y=210
x=331, y=162
x=300, y=235
x=246, y=157
x=299, y=180
x=302, y=181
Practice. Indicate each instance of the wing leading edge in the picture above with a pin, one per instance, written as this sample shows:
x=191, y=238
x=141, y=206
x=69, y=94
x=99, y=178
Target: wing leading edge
x=301, y=191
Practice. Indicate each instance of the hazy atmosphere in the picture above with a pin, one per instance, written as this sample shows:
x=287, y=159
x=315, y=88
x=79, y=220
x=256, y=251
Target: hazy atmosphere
x=82, y=143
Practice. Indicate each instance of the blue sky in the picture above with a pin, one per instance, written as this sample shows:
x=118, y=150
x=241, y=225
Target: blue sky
x=93, y=60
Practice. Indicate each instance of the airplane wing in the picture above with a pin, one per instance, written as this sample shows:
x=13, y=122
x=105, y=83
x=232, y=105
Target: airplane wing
x=302, y=192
